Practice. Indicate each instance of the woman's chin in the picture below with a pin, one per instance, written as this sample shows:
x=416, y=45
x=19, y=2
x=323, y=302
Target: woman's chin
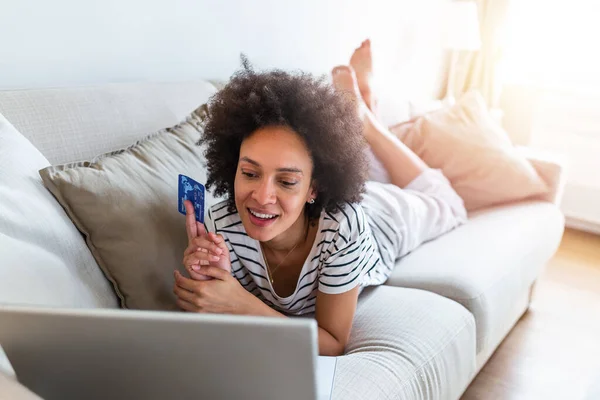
x=259, y=234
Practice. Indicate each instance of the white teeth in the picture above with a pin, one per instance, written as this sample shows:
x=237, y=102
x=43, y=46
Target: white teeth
x=263, y=216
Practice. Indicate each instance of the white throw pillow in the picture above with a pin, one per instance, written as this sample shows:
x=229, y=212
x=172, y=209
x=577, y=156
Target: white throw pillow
x=43, y=257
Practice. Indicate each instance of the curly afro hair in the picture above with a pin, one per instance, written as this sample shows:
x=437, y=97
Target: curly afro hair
x=326, y=120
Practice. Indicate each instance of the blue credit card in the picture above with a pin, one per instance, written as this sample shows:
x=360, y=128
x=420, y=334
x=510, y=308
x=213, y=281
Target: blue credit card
x=191, y=190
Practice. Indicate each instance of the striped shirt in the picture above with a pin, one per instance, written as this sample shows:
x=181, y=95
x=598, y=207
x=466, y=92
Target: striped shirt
x=358, y=245
x=342, y=254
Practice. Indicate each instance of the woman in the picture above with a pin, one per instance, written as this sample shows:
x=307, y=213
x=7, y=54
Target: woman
x=302, y=231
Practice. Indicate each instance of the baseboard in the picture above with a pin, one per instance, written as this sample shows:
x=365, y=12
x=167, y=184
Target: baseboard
x=582, y=225
x=580, y=207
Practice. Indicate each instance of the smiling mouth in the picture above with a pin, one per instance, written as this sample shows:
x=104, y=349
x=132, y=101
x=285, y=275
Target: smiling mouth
x=262, y=216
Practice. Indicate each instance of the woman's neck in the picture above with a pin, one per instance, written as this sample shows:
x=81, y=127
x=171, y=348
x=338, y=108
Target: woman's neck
x=294, y=236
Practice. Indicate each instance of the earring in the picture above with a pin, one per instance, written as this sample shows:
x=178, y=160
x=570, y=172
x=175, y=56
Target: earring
x=311, y=201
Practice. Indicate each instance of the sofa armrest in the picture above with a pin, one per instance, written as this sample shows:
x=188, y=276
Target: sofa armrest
x=551, y=168
x=11, y=389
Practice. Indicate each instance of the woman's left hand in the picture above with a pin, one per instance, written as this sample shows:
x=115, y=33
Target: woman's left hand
x=222, y=295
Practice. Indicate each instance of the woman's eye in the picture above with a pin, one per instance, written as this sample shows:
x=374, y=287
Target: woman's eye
x=288, y=184
x=249, y=174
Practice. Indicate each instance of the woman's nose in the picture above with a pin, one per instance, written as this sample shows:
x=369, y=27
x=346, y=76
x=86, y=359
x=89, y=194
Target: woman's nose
x=265, y=192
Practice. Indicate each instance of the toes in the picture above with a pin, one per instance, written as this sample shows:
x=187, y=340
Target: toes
x=341, y=69
x=365, y=43
x=344, y=76
x=344, y=79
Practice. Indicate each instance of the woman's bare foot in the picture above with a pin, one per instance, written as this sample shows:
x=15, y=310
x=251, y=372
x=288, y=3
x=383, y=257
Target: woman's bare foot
x=362, y=63
x=344, y=80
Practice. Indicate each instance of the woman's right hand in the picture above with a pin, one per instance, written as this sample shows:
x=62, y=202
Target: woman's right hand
x=203, y=248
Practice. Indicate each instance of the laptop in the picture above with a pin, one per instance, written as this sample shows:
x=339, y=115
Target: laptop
x=132, y=354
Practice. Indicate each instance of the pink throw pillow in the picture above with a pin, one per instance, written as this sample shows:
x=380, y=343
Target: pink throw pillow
x=474, y=153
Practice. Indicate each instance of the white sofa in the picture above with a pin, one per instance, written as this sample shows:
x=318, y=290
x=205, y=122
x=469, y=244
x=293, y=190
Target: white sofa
x=423, y=335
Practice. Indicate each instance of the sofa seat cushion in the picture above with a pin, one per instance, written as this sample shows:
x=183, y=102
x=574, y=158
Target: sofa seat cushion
x=406, y=344
x=486, y=263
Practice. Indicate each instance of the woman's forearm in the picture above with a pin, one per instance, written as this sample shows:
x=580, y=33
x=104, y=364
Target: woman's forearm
x=257, y=308
x=328, y=345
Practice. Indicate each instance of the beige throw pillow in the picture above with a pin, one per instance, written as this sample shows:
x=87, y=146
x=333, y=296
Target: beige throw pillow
x=125, y=203
x=474, y=153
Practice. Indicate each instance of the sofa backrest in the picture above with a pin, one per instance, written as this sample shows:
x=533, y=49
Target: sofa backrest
x=73, y=124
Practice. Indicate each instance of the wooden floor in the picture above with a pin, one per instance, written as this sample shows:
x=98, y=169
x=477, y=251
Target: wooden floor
x=554, y=350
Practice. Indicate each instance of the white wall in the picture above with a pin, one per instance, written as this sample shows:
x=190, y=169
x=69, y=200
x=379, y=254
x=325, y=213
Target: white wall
x=74, y=42
x=568, y=121
x=565, y=121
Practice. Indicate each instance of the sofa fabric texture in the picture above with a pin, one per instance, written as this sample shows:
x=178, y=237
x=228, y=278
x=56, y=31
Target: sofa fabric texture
x=79, y=123
x=406, y=344
x=487, y=262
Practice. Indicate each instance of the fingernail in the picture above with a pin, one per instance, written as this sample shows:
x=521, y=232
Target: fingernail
x=215, y=258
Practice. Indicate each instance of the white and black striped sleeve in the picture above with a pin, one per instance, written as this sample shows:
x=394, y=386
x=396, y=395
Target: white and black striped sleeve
x=213, y=213
x=351, y=253
x=209, y=223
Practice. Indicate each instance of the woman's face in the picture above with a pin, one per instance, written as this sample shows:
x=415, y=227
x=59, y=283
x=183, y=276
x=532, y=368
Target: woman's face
x=272, y=182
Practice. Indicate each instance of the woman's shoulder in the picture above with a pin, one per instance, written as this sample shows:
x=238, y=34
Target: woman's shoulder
x=222, y=219
x=219, y=208
x=349, y=218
